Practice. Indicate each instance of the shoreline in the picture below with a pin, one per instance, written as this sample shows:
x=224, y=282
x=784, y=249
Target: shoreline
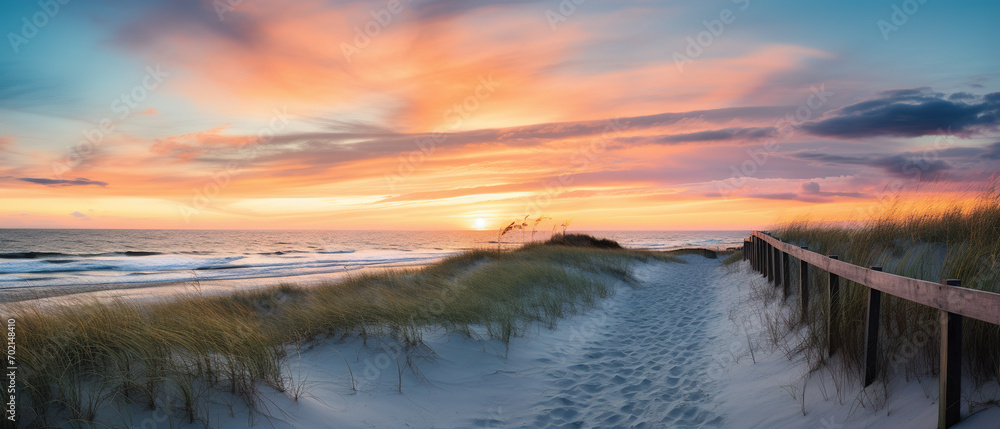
x=141, y=291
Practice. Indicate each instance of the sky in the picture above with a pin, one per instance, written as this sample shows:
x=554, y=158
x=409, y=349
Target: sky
x=451, y=114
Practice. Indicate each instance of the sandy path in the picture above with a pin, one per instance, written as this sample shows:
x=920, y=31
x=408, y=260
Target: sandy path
x=647, y=366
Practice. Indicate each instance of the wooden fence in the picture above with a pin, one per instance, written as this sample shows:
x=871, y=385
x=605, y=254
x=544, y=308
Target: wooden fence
x=771, y=257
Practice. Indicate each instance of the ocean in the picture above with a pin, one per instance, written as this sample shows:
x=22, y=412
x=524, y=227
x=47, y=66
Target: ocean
x=68, y=257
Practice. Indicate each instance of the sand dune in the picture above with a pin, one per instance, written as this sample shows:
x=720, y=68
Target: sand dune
x=664, y=353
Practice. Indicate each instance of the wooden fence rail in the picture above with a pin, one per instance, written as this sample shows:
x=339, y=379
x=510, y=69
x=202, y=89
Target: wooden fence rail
x=770, y=257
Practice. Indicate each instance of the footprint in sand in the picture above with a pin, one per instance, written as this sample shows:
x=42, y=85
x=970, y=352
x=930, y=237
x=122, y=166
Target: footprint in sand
x=649, y=365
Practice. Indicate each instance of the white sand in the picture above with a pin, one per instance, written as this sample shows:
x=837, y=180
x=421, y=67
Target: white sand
x=662, y=355
x=774, y=392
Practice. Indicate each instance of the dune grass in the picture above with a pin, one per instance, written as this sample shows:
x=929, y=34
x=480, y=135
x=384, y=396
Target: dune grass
x=924, y=239
x=83, y=359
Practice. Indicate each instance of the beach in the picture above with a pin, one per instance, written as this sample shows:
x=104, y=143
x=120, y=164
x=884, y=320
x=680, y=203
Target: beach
x=672, y=350
x=677, y=338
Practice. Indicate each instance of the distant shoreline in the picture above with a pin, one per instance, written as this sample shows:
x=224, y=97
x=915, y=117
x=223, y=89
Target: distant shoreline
x=151, y=290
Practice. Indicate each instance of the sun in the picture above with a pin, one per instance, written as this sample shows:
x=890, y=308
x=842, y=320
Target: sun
x=479, y=224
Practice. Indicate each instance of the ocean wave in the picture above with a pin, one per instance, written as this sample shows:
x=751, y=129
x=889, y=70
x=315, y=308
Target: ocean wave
x=248, y=263
x=321, y=252
x=39, y=255
x=150, y=263
x=31, y=255
x=158, y=269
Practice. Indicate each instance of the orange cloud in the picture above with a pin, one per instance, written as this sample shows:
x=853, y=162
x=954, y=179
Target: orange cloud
x=186, y=146
x=493, y=66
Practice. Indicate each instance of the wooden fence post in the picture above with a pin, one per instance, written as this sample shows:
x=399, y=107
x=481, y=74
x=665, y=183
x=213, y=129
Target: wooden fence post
x=774, y=264
x=804, y=287
x=777, y=266
x=950, y=376
x=786, y=281
x=871, y=333
x=756, y=254
x=770, y=262
x=766, y=252
x=760, y=256
x=833, y=312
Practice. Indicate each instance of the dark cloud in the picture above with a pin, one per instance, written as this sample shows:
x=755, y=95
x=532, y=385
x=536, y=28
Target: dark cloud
x=910, y=93
x=80, y=181
x=905, y=165
x=576, y=129
x=813, y=188
x=909, y=165
x=327, y=149
x=961, y=96
x=992, y=151
x=959, y=152
x=831, y=158
x=430, y=9
x=163, y=18
x=809, y=192
x=778, y=196
x=909, y=113
x=810, y=188
x=723, y=134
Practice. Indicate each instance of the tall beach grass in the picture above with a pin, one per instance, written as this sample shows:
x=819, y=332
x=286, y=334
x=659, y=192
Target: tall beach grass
x=85, y=360
x=930, y=239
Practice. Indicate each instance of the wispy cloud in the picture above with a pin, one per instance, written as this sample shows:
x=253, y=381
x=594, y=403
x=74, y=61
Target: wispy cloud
x=80, y=181
x=722, y=135
x=993, y=151
x=81, y=216
x=187, y=146
x=906, y=164
x=813, y=188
